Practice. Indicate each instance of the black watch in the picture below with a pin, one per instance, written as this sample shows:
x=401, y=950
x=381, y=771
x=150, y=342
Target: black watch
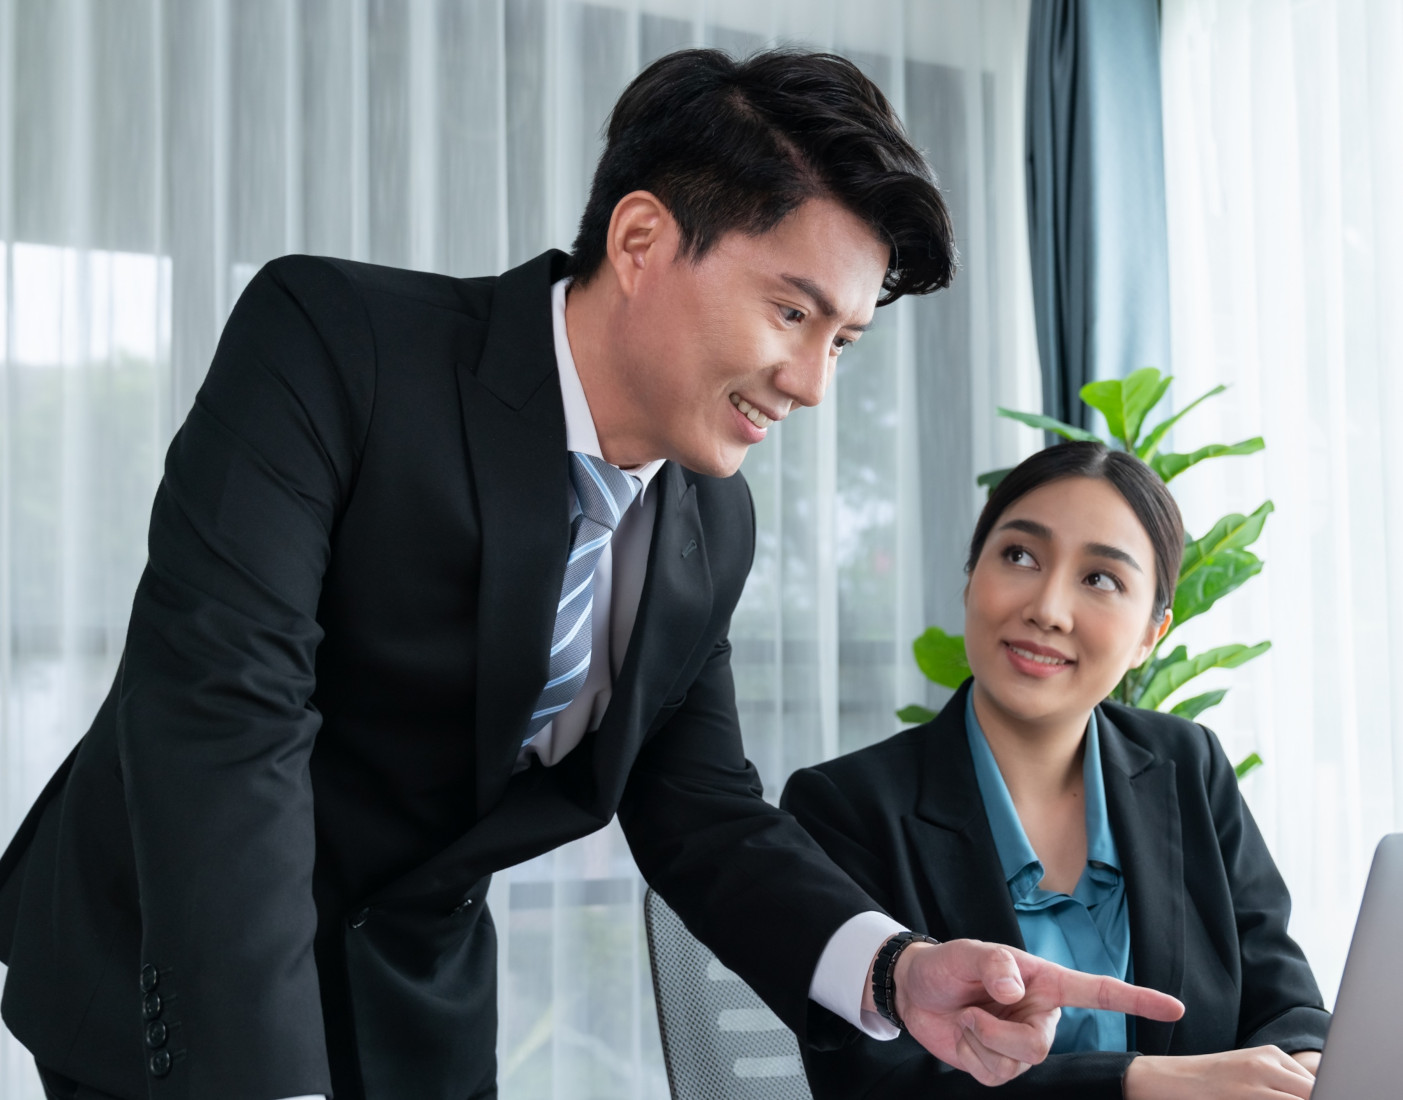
x=883, y=985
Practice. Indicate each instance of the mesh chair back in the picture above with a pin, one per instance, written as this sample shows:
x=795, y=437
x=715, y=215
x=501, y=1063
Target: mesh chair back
x=720, y=1041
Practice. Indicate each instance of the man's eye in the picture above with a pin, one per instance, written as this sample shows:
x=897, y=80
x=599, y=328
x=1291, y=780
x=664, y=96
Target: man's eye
x=840, y=342
x=793, y=316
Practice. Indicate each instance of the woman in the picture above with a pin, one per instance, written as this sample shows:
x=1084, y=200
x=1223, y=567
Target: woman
x=1106, y=838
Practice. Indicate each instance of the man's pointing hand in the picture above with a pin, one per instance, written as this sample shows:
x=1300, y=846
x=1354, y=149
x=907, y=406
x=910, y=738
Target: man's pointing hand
x=992, y=1010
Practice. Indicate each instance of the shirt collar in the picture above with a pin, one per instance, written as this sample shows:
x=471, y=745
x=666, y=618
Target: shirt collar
x=580, y=432
x=1021, y=867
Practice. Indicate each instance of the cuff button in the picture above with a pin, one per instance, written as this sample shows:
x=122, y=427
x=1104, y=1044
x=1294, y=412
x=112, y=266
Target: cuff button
x=156, y=1035
x=160, y=1063
x=151, y=1006
x=150, y=978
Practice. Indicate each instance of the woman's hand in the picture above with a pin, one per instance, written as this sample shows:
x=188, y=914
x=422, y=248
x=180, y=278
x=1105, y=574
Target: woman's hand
x=1258, y=1072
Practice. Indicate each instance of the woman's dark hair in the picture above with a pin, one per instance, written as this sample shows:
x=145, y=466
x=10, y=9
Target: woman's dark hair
x=737, y=145
x=1141, y=487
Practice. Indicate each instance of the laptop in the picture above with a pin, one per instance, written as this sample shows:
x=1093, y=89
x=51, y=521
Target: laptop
x=1360, y=1060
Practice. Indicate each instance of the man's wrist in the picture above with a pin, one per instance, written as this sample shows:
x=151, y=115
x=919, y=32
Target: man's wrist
x=887, y=997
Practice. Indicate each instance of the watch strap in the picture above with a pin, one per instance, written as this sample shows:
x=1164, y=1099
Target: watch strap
x=884, y=971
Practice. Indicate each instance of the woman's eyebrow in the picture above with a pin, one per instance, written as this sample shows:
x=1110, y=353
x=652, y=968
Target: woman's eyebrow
x=1028, y=527
x=1101, y=550
x=1096, y=549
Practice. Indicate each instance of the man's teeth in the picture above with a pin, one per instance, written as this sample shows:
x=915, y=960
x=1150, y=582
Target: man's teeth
x=1038, y=657
x=750, y=412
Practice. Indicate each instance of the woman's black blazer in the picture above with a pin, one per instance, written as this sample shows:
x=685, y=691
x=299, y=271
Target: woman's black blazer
x=1208, y=908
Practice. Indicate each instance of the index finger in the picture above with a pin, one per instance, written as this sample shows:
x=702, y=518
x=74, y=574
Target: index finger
x=1078, y=990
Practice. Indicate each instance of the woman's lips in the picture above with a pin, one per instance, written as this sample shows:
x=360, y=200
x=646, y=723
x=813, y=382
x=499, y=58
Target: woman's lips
x=1036, y=660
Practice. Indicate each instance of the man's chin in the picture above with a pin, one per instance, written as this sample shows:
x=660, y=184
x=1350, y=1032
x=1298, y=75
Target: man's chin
x=715, y=465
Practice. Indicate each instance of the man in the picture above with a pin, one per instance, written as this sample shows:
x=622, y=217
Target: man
x=440, y=576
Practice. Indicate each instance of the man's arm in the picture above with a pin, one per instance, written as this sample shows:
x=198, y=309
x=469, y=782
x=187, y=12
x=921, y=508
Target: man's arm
x=214, y=724
x=744, y=877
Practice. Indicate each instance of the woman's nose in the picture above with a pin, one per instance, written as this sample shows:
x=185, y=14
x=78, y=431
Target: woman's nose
x=1050, y=606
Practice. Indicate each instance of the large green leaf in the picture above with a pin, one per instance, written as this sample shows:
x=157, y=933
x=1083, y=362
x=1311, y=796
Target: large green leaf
x=1170, y=465
x=990, y=481
x=916, y=714
x=942, y=657
x=1211, y=580
x=1048, y=424
x=1124, y=402
x=1151, y=442
x=1192, y=708
x=1232, y=532
x=1171, y=678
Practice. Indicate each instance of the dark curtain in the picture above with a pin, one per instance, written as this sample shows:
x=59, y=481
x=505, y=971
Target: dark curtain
x=1096, y=218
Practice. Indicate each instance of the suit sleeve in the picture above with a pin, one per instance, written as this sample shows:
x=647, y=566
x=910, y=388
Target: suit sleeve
x=215, y=725
x=1281, y=1003
x=853, y=834
x=743, y=876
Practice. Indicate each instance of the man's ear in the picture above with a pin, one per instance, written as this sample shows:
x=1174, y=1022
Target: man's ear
x=638, y=229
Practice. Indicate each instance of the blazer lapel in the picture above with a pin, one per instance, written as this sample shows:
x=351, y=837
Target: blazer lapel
x=951, y=841
x=673, y=610
x=1143, y=806
x=515, y=426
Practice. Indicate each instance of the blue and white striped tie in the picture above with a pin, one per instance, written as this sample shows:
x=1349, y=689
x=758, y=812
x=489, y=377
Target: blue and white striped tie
x=603, y=493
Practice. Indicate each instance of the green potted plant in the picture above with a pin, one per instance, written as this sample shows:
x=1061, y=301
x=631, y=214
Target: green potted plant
x=1216, y=564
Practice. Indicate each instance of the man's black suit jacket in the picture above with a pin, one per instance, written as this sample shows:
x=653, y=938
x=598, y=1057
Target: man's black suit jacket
x=290, y=803
x=1208, y=909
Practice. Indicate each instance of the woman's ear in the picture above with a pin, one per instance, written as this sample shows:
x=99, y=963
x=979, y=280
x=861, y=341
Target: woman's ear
x=1153, y=633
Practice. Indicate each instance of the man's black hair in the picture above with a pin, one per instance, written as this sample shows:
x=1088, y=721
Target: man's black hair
x=737, y=145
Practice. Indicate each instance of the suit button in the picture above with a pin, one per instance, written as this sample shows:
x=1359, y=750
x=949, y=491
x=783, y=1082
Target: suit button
x=150, y=978
x=156, y=1035
x=150, y=1006
x=360, y=918
x=159, y=1063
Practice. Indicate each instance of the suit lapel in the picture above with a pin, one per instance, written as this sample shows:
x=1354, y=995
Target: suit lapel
x=515, y=427
x=1143, y=806
x=673, y=610
x=951, y=840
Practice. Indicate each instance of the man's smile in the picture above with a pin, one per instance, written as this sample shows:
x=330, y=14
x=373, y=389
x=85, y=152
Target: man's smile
x=751, y=413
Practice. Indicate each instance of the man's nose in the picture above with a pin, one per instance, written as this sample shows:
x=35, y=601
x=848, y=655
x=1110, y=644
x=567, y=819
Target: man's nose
x=804, y=379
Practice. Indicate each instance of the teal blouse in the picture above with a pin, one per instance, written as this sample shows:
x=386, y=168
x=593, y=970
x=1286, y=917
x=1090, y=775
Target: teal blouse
x=1089, y=929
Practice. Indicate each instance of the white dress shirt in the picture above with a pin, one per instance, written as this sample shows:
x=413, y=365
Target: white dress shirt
x=843, y=968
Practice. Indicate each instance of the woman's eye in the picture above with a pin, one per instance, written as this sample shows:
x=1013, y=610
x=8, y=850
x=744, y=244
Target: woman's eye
x=1018, y=555
x=1103, y=581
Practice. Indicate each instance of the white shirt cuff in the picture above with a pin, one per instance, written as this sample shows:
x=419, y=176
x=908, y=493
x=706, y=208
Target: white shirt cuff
x=318, y=1096
x=845, y=967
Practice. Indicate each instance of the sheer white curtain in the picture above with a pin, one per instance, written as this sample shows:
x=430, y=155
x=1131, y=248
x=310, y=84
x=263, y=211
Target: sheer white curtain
x=1284, y=155
x=153, y=153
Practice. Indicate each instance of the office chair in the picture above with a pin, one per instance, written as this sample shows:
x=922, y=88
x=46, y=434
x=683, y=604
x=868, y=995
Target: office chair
x=720, y=1041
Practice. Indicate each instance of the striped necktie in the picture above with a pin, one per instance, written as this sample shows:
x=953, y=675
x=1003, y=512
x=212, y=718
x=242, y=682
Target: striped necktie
x=602, y=493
